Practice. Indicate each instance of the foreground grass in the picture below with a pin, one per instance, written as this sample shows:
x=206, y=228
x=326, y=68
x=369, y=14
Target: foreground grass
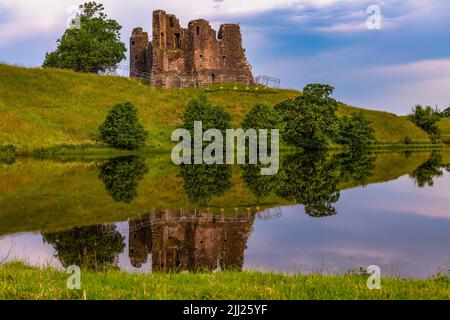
x=18, y=281
x=60, y=111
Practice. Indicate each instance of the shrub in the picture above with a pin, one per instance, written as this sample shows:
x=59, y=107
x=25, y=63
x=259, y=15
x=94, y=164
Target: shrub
x=261, y=117
x=122, y=129
x=212, y=117
x=426, y=118
x=407, y=140
x=355, y=131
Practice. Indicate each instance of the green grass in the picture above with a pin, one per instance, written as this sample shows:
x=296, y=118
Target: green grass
x=44, y=109
x=444, y=127
x=18, y=281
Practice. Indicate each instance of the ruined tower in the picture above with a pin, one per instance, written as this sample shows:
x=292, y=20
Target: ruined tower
x=191, y=57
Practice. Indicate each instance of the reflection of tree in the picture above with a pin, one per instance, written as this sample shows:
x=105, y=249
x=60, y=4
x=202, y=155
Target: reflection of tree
x=94, y=247
x=261, y=186
x=202, y=182
x=312, y=180
x=425, y=173
x=7, y=160
x=356, y=167
x=121, y=177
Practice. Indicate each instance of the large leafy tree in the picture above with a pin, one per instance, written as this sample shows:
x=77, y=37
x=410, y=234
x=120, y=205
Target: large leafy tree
x=309, y=120
x=93, y=47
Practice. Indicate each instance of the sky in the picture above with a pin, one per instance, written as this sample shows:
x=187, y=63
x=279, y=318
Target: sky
x=406, y=62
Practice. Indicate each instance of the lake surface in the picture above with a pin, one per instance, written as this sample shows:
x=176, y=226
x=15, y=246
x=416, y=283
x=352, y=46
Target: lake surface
x=321, y=213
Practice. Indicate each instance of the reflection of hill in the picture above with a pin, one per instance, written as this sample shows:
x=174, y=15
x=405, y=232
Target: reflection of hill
x=187, y=241
x=50, y=196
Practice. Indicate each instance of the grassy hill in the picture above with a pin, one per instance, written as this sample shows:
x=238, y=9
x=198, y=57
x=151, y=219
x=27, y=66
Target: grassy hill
x=42, y=109
x=444, y=126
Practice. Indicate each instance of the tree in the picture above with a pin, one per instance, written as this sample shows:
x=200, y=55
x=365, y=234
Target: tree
x=121, y=177
x=93, y=47
x=122, y=129
x=309, y=120
x=212, y=117
x=426, y=118
x=355, y=131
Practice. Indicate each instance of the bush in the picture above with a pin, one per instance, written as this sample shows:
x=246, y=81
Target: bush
x=355, y=131
x=212, y=117
x=122, y=129
x=426, y=118
x=407, y=140
x=261, y=117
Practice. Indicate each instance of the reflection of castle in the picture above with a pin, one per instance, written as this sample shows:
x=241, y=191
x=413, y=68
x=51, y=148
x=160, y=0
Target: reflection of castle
x=190, y=242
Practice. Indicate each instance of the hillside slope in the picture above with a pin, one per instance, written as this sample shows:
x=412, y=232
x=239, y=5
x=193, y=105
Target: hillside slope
x=45, y=108
x=444, y=126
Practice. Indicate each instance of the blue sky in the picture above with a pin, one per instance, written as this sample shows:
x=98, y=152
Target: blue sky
x=404, y=63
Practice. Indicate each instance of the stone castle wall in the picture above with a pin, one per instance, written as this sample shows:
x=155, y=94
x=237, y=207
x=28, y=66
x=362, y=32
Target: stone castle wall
x=192, y=56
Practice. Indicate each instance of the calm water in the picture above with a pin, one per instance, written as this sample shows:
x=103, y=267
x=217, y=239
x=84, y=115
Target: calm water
x=321, y=213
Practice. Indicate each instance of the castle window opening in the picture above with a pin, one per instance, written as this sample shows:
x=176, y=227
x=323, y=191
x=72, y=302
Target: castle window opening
x=172, y=24
x=198, y=30
x=177, y=41
x=132, y=43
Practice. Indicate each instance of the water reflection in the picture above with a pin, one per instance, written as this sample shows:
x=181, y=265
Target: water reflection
x=425, y=173
x=311, y=179
x=383, y=221
x=203, y=182
x=121, y=177
x=182, y=241
x=94, y=247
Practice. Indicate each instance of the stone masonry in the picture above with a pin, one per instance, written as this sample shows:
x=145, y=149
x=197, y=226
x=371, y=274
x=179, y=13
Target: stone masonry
x=192, y=57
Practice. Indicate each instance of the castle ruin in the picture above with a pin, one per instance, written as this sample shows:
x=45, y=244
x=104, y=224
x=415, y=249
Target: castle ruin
x=193, y=57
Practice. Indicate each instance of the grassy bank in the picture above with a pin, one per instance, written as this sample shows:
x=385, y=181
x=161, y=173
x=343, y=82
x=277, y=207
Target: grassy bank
x=18, y=281
x=62, y=110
